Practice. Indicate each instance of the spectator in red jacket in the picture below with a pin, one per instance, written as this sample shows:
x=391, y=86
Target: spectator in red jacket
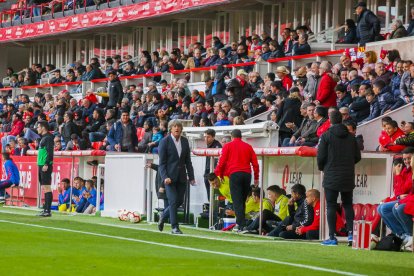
x=237, y=159
x=393, y=132
x=311, y=232
x=325, y=94
x=403, y=176
x=17, y=128
x=284, y=75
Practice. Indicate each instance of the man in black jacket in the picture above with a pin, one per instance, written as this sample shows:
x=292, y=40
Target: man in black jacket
x=338, y=152
x=114, y=90
x=369, y=27
x=69, y=127
x=302, y=216
x=176, y=169
x=211, y=142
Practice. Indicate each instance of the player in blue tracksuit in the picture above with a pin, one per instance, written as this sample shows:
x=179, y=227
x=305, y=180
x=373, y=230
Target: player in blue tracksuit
x=88, y=201
x=64, y=194
x=12, y=175
x=77, y=191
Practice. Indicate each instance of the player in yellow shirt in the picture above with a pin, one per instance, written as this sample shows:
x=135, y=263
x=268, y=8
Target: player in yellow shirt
x=275, y=208
x=223, y=185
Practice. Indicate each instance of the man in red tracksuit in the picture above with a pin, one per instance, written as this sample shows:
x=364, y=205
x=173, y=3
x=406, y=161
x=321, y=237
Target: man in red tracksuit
x=311, y=232
x=236, y=160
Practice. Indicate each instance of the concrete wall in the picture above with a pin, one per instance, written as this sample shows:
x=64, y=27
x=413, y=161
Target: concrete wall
x=404, y=45
x=372, y=130
x=13, y=56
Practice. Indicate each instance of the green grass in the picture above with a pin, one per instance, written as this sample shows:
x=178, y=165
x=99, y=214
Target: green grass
x=29, y=250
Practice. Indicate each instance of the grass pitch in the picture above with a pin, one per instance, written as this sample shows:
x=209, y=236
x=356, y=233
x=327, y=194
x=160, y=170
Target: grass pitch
x=84, y=245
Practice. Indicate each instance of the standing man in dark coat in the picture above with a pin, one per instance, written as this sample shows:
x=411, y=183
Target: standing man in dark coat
x=211, y=142
x=114, y=91
x=175, y=168
x=369, y=26
x=338, y=152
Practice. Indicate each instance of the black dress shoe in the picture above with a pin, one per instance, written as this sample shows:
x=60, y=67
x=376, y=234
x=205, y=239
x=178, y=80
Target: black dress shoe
x=176, y=231
x=161, y=224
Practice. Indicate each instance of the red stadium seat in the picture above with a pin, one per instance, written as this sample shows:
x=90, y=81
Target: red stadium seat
x=367, y=212
x=357, y=211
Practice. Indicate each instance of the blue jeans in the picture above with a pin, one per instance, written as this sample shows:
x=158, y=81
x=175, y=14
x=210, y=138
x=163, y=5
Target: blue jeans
x=3, y=186
x=386, y=212
x=405, y=220
x=30, y=135
x=286, y=143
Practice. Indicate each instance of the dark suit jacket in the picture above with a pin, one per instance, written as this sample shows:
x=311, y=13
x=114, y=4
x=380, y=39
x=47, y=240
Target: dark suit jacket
x=172, y=166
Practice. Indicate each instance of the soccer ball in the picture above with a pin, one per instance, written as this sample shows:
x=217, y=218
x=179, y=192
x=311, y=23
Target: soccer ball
x=123, y=214
x=373, y=242
x=134, y=217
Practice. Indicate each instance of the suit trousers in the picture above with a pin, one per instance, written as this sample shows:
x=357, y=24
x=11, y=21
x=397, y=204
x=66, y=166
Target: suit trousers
x=239, y=190
x=175, y=194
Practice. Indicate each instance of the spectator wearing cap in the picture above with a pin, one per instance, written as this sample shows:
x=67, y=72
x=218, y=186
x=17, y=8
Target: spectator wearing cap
x=398, y=30
x=407, y=85
x=368, y=27
x=284, y=75
x=114, y=91
x=16, y=130
x=58, y=78
x=302, y=47
x=325, y=95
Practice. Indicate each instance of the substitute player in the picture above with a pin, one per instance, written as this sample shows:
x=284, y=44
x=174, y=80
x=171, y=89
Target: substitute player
x=45, y=164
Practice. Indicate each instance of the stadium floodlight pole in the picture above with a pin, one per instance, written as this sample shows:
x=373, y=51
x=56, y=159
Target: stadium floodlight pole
x=261, y=198
x=210, y=217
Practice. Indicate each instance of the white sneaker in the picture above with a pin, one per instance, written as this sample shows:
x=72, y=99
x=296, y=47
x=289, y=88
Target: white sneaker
x=408, y=242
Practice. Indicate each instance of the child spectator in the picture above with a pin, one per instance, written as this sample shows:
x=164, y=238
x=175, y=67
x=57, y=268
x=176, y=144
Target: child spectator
x=408, y=138
x=385, y=97
x=393, y=132
x=343, y=98
x=64, y=195
x=157, y=136
x=222, y=119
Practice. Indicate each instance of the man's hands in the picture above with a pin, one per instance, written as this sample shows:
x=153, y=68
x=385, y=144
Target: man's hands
x=289, y=228
x=167, y=181
x=299, y=230
x=44, y=168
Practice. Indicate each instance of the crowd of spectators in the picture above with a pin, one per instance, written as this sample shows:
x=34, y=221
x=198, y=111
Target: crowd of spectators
x=134, y=118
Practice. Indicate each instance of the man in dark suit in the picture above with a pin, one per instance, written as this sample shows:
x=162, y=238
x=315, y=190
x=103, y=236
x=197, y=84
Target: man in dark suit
x=175, y=164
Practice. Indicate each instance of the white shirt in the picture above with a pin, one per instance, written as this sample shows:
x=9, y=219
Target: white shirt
x=177, y=144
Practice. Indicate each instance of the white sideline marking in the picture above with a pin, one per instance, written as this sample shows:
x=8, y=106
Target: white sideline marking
x=253, y=238
x=209, y=238
x=316, y=268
